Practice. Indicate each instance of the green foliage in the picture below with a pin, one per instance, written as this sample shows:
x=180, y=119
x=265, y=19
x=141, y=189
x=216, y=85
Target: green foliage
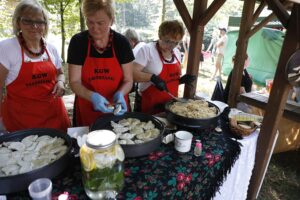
x=70, y=11
x=6, y=10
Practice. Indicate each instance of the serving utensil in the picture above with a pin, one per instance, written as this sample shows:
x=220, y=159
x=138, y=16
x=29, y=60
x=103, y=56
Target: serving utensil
x=176, y=98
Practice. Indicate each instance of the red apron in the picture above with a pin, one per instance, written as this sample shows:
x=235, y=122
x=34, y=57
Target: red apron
x=29, y=102
x=153, y=99
x=102, y=75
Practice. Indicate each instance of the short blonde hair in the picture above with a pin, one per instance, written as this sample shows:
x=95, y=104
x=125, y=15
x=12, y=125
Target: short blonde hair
x=173, y=28
x=25, y=7
x=89, y=7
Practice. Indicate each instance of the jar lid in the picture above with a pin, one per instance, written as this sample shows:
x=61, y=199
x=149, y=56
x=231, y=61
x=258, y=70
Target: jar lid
x=100, y=139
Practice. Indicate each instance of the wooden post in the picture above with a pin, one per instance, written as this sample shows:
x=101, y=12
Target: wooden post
x=195, y=26
x=275, y=106
x=240, y=55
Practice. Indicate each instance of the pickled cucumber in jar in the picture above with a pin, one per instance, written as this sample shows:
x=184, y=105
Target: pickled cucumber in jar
x=102, y=165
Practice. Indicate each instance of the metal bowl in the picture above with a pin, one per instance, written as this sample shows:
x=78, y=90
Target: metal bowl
x=132, y=150
x=20, y=182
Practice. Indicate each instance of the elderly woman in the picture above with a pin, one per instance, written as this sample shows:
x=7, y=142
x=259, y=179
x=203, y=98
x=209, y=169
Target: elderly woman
x=100, y=65
x=30, y=68
x=157, y=68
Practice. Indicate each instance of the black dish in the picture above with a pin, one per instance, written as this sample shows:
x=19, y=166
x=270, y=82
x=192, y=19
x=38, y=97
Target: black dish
x=132, y=150
x=193, y=123
x=20, y=182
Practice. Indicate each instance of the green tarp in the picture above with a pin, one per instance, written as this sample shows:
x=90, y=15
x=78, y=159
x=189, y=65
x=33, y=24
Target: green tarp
x=263, y=50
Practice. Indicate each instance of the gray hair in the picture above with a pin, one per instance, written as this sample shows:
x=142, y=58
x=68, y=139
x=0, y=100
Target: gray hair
x=131, y=34
x=24, y=8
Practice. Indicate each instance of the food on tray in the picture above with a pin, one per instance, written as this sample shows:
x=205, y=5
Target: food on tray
x=196, y=109
x=134, y=131
x=31, y=153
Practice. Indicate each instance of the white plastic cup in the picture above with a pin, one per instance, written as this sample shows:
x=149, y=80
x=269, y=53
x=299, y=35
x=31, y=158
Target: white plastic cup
x=183, y=141
x=40, y=189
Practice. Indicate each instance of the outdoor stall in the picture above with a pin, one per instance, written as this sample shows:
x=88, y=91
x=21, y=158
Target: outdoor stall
x=225, y=162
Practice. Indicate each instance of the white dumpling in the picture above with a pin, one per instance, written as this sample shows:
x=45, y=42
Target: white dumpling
x=116, y=125
x=43, y=138
x=137, y=130
x=29, y=140
x=138, y=141
x=120, y=130
x=126, y=136
x=122, y=142
x=17, y=146
x=4, y=150
x=149, y=125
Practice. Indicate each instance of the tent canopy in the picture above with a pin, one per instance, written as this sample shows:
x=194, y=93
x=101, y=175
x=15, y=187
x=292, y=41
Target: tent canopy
x=263, y=50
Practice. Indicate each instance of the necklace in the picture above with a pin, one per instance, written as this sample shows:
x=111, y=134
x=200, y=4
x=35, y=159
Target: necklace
x=24, y=45
x=162, y=57
x=109, y=44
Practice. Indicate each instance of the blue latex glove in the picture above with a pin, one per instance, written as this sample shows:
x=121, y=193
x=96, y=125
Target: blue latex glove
x=119, y=99
x=100, y=103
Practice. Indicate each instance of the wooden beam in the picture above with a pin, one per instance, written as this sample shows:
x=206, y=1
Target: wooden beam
x=275, y=106
x=260, y=25
x=258, y=11
x=240, y=55
x=280, y=11
x=184, y=13
x=196, y=40
x=265, y=21
x=294, y=1
x=197, y=12
x=210, y=12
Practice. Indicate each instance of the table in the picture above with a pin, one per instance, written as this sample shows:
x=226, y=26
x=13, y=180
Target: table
x=165, y=174
x=236, y=184
x=260, y=100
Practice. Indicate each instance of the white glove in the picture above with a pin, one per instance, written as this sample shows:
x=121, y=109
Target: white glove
x=2, y=127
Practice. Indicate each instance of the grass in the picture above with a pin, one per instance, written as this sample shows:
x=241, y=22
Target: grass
x=282, y=180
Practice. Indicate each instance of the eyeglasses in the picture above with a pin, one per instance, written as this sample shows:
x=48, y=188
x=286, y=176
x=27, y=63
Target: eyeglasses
x=170, y=42
x=29, y=22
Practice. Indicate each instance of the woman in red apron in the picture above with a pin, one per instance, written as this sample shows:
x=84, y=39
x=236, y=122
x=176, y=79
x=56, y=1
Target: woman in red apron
x=157, y=67
x=101, y=70
x=33, y=98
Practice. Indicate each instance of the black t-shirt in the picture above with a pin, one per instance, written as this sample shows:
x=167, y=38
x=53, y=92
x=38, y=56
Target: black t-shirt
x=246, y=83
x=78, y=48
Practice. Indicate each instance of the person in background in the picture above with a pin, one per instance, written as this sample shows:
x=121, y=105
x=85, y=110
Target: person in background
x=100, y=65
x=201, y=56
x=212, y=45
x=31, y=71
x=220, y=48
x=246, y=85
x=134, y=40
x=157, y=68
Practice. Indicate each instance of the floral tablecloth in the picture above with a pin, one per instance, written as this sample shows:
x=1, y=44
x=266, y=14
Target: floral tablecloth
x=165, y=174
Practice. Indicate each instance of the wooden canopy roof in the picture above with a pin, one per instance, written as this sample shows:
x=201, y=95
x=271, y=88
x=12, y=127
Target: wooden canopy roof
x=278, y=97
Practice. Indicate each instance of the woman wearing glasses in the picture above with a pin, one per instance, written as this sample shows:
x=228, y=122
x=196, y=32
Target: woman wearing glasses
x=100, y=65
x=157, y=68
x=30, y=68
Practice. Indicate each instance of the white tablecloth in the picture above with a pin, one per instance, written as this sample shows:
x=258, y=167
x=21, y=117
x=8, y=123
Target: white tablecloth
x=236, y=184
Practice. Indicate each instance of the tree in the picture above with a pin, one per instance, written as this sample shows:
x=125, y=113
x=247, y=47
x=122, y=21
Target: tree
x=59, y=7
x=6, y=10
x=163, y=10
x=82, y=23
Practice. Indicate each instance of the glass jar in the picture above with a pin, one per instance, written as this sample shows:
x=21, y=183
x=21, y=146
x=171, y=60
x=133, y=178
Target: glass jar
x=102, y=165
